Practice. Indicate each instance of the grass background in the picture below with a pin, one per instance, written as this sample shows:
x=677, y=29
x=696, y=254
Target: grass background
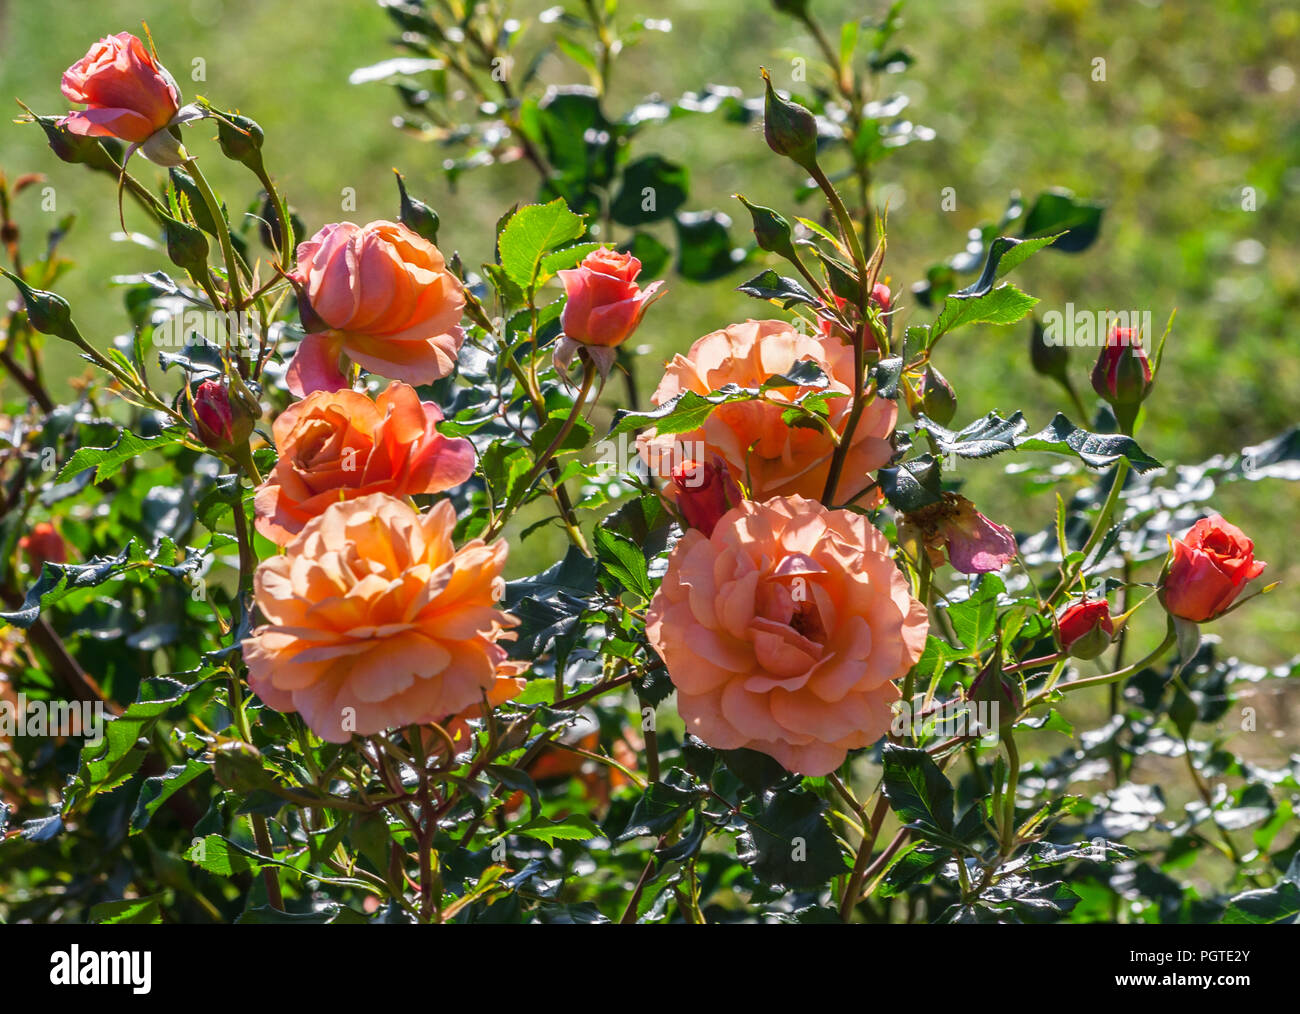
x=1200, y=101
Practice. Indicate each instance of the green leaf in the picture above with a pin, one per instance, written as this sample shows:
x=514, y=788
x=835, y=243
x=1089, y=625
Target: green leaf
x=704, y=247
x=917, y=790
x=1059, y=211
x=911, y=485
x=778, y=289
x=622, y=558
x=106, y=460
x=994, y=435
x=1004, y=305
x=157, y=790
x=655, y=181
x=1005, y=253
x=661, y=807
x=531, y=233
x=129, y=911
x=1277, y=904
x=974, y=620
x=790, y=843
x=574, y=827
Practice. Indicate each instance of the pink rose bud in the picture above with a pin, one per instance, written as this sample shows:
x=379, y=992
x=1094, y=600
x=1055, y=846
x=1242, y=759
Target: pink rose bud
x=704, y=493
x=128, y=94
x=1086, y=628
x=604, y=304
x=1123, y=373
x=44, y=544
x=1211, y=565
x=214, y=421
x=223, y=419
x=881, y=296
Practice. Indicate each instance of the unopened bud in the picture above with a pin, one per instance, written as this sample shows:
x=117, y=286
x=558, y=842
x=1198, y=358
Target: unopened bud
x=415, y=214
x=790, y=129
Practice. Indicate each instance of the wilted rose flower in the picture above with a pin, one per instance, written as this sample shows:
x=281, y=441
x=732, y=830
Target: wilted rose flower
x=43, y=544
x=1086, y=628
x=338, y=445
x=975, y=544
x=375, y=620
x=1211, y=565
x=382, y=295
x=703, y=493
x=128, y=94
x=770, y=457
x=784, y=630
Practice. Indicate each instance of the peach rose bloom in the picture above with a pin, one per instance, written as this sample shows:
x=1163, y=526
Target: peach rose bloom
x=768, y=456
x=128, y=94
x=340, y=445
x=383, y=296
x=375, y=620
x=784, y=630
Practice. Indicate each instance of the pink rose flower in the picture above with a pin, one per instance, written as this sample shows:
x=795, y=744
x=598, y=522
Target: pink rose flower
x=128, y=94
x=383, y=296
x=376, y=620
x=771, y=457
x=1211, y=565
x=784, y=630
x=603, y=306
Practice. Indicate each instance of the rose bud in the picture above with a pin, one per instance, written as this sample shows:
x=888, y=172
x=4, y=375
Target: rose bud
x=1000, y=689
x=222, y=418
x=415, y=214
x=128, y=94
x=790, y=129
x=1211, y=564
x=47, y=312
x=1085, y=628
x=1048, y=360
x=1123, y=373
x=934, y=397
x=975, y=544
x=704, y=492
x=43, y=544
x=241, y=140
x=603, y=305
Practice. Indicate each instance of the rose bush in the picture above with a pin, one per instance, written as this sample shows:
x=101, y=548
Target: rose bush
x=775, y=664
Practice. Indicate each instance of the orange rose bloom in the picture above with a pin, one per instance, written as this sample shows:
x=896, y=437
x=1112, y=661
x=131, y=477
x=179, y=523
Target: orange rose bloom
x=341, y=445
x=376, y=620
x=784, y=630
x=508, y=684
x=770, y=457
x=381, y=294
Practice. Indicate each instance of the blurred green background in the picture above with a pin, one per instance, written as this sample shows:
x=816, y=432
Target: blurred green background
x=1200, y=101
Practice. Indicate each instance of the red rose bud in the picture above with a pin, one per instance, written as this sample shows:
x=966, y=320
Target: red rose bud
x=223, y=419
x=1211, y=565
x=881, y=296
x=704, y=493
x=1086, y=628
x=1123, y=373
x=44, y=544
